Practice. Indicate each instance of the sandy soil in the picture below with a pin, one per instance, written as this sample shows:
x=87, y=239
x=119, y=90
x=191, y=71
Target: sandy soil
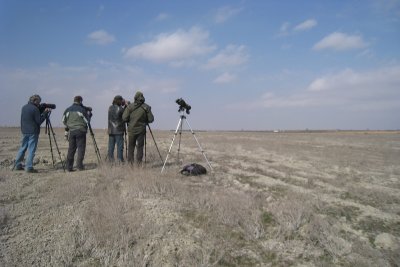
x=347, y=185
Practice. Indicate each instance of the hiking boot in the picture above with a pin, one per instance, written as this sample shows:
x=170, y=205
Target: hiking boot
x=19, y=168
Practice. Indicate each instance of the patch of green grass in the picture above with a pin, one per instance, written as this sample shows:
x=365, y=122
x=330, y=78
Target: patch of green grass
x=349, y=212
x=374, y=226
x=267, y=219
x=270, y=256
x=197, y=218
x=278, y=191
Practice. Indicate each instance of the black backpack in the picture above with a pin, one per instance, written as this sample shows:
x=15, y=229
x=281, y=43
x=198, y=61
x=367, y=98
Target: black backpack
x=193, y=169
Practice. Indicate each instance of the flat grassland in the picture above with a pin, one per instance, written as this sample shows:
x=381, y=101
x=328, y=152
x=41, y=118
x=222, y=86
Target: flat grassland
x=272, y=199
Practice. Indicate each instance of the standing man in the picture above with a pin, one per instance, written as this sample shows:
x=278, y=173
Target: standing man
x=116, y=129
x=137, y=115
x=76, y=119
x=31, y=119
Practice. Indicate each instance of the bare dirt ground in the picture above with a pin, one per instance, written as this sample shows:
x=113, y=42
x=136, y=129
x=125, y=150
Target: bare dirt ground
x=273, y=199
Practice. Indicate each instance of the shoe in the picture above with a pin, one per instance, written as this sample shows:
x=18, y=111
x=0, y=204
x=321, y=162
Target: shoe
x=19, y=168
x=31, y=171
x=70, y=170
x=81, y=169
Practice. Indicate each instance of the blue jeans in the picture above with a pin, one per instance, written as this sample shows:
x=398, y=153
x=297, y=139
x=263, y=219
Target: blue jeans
x=28, y=142
x=116, y=139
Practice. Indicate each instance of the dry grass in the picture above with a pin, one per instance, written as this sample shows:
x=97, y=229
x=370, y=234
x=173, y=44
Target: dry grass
x=273, y=200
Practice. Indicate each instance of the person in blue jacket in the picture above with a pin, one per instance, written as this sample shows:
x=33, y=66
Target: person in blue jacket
x=31, y=119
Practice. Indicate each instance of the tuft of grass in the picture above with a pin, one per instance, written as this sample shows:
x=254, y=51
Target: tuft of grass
x=351, y=213
x=4, y=217
x=373, y=226
x=291, y=214
x=247, y=179
x=267, y=219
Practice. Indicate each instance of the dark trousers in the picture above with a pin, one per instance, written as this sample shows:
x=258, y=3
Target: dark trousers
x=77, y=140
x=116, y=139
x=136, y=140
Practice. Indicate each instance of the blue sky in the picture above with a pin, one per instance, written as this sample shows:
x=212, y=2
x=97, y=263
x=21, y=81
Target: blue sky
x=242, y=65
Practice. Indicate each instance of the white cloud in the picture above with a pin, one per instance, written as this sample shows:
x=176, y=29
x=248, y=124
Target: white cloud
x=340, y=41
x=225, y=78
x=306, y=25
x=284, y=29
x=101, y=37
x=97, y=84
x=177, y=46
x=348, y=89
x=231, y=56
x=318, y=84
x=162, y=17
x=225, y=13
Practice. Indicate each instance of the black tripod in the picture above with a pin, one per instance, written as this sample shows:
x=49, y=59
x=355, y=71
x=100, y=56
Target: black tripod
x=179, y=128
x=96, y=148
x=49, y=129
x=155, y=143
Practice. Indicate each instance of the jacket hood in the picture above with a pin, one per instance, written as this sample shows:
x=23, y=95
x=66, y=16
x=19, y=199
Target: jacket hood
x=139, y=98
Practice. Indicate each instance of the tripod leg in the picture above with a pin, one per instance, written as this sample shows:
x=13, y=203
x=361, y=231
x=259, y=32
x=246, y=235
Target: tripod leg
x=180, y=137
x=145, y=148
x=126, y=145
x=55, y=142
x=155, y=143
x=170, y=147
x=48, y=133
x=96, y=148
x=197, y=141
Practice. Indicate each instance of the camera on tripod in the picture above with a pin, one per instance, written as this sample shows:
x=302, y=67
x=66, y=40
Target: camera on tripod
x=43, y=106
x=88, y=110
x=183, y=106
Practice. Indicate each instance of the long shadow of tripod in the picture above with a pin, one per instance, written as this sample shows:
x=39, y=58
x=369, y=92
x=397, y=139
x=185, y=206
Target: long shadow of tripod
x=49, y=130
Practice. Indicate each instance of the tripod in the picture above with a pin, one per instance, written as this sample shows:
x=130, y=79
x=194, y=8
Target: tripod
x=49, y=129
x=179, y=128
x=96, y=148
x=145, y=144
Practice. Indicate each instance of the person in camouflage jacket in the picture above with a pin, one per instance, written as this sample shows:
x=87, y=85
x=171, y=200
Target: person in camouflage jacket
x=137, y=114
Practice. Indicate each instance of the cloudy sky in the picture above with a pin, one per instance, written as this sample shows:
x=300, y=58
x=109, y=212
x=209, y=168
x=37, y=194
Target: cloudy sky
x=241, y=65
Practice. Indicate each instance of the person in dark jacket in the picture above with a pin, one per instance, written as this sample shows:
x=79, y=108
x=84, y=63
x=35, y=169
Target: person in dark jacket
x=116, y=128
x=76, y=119
x=31, y=119
x=137, y=115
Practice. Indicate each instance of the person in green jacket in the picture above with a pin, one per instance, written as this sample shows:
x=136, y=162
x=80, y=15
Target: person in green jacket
x=137, y=115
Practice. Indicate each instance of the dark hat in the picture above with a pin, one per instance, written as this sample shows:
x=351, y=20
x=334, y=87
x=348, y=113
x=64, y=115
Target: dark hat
x=78, y=99
x=118, y=97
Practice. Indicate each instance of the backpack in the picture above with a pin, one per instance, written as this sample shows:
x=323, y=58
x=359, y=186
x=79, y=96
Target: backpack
x=193, y=169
